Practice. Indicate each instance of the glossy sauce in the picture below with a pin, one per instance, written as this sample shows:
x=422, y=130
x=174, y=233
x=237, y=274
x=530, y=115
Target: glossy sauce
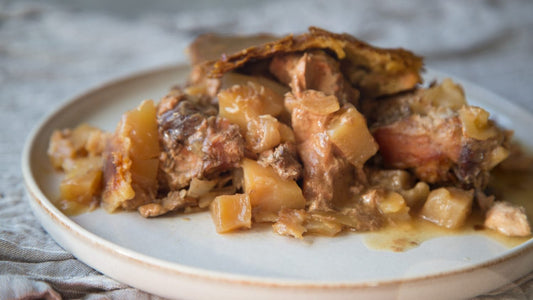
x=515, y=187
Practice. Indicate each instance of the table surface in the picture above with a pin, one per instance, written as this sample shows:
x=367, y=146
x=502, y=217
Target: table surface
x=53, y=50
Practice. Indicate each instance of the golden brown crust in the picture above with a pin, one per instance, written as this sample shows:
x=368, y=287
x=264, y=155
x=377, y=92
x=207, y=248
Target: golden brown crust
x=374, y=71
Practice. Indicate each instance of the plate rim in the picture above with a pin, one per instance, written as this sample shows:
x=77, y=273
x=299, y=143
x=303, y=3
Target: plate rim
x=66, y=223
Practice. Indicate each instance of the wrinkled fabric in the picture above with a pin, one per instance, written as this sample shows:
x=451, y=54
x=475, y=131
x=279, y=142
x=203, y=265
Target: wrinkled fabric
x=53, y=50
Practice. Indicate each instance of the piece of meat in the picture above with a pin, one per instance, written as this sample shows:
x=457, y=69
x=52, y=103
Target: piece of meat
x=431, y=139
x=284, y=160
x=508, y=219
x=173, y=201
x=373, y=71
x=291, y=222
x=428, y=145
x=437, y=150
x=170, y=100
x=196, y=144
x=313, y=70
x=327, y=178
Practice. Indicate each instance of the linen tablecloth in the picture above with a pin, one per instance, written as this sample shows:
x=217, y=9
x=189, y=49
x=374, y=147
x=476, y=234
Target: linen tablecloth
x=52, y=50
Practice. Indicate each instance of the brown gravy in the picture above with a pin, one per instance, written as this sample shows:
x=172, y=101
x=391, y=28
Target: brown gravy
x=515, y=187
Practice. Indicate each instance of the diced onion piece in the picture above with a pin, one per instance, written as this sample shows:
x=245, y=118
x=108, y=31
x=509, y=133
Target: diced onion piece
x=394, y=207
x=476, y=123
x=231, y=212
x=448, y=207
x=263, y=133
x=199, y=187
x=291, y=223
x=322, y=225
x=446, y=94
x=268, y=192
x=349, y=132
x=417, y=195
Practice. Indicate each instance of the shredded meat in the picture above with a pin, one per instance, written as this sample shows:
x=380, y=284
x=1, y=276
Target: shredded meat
x=327, y=178
x=284, y=160
x=196, y=144
x=314, y=70
x=173, y=201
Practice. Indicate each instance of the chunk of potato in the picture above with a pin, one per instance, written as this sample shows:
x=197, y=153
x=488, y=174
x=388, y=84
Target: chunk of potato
x=68, y=144
x=231, y=212
x=508, y=219
x=263, y=133
x=268, y=192
x=448, y=207
x=242, y=103
x=131, y=160
x=286, y=133
x=349, y=132
x=83, y=181
x=231, y=78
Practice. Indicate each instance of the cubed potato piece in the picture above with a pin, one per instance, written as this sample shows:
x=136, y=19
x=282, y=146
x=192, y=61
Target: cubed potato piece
x=242, y=103
x=508, y=219
x=231, y=212
x=476, y=123
x=497, y=155
x=131, y=160
x=83, y=182
x=268, y=192
x=263, y=133
x=448, y=207
x=349, y=132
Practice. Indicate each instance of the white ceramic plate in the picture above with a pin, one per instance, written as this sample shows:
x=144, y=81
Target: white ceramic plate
x=183, y=257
